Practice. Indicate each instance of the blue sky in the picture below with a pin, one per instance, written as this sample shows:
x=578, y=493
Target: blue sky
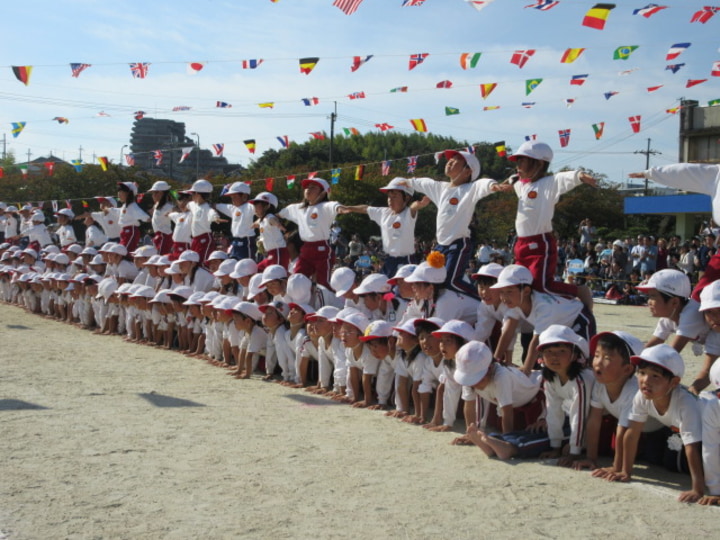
x=110, y=35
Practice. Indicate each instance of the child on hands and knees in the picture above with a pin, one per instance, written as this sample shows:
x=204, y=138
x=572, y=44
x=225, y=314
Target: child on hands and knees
x=379, y=364
x=711, y=438
x=661, y=396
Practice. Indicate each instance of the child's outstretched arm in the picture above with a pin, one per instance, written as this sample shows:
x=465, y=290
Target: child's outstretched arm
x=357, y=209
x=415, y=206
x=695, y=464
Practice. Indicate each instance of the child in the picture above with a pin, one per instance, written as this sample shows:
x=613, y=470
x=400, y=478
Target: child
x=314, y=217
x=379, y=365
x=711, y=438
x=161, y=222
x=246, y=318
x=271, y=231
x=274, y=319
x=456, y=203
x=327, y=343
x=65, y=231
x=353, y=325
x=661, y=396
x=538, y=192
x=182, y=218
x=409, y=367
x=106, y=219
x=94, y=234
x=373, y=291
x=240, y=211
x=396, y=221
x=128, y=216
x=710, y=309
x=203, y=215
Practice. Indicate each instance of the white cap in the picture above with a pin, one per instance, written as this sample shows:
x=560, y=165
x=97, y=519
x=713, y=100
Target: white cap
x=618, y=243
x=408, y=327
x=266, y=198
x=194, y=299
x=52, y=248
x=342, y=280
x=317, y=181
x=105, y=248
x=160, y=185
x=424, y=273
x=97, y=259
x=89, y=251
x=162, y=297
x=61, y=258
x=274, y=271
x=668, y=281
x=65, y=212
x=513, y=274
x=435, y=321
x=37, y=217
x=27, y=208
x=634, y=345
x=225, y=269
x=143, y=291
x=473, y=361
x=325, y=312
x=374, y=283
x=470, y=159
x=402, y=272
x=118, y=249
x=237, y=187
x=456, y=328
x=31, y=252
x=377, y=329
x=145, y=251
x=107, y=287
x=161, y=260
x=533, y=149
x=201, y=186
x=183, y=291
x=279, y=306
x=710, y=296
x=73, y=248
x=248, y=309
x=110, y=200
x=254, y=287
x=189, y=256
x=715, y=375
x=354, y=318
x=299, y=289
x=11, y=208
x=557, y=333
x=152, y=260
x=491, y=270
x=306, y=308
x=173, y=269
x=244, y=267
x=132, y=186
x=209, y=297
x=662, y=355
x=400, y=184
x=217, y=255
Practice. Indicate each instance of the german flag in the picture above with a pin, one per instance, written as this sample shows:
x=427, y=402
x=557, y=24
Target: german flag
x=359, y=172
x=103, y=162
x=308, y=64
x=22, y=73
x=597, y=16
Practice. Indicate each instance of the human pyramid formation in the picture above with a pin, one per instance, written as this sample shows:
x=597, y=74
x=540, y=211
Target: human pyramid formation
x=415, y=339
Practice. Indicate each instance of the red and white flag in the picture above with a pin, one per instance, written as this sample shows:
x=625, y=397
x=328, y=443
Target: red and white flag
x=635, y=123
x=348, y=7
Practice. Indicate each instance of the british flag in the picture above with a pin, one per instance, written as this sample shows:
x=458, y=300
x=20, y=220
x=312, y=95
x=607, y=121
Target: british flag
x=412, y=164
x=158, y=157
x=219, y=148
x=130, y=159
x=77, y=69
x=139, y=70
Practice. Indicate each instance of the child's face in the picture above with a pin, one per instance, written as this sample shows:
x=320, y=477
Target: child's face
x=379, y=348
x=712, y=318
x=371, y=300
x=323, y=327
x=448, y=346
x=405, y=289
x=396, y=200
x=609, y=366
x=260, y=208
x=274, y=287
x=429, y=343
x=213, y=265
x=407, y=342
x=511, y=296
x=654, y=384
x=457, y=167
x=490, y=296
x=349, y=335
x=422, y=291
x=558, y=357
x=270, y=318
x=312, y=193
x=296, y=316
x=240, y=320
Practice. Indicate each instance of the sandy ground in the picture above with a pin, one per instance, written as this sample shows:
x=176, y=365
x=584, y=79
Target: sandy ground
x=105, y=439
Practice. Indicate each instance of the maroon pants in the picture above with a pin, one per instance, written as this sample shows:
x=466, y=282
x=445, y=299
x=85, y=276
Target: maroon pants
x=130, y=238
x=163, y=243
x=316, y=259
x=539, y=255
x=203, y=245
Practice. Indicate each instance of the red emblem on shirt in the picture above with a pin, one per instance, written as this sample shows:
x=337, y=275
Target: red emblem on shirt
x=453, y=201
x=313, y=215
x=396, y=225
x=238, y=213
x=110, y=222
x=532, y=195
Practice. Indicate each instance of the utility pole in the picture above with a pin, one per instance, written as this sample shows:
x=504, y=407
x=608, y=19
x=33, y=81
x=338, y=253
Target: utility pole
x=4, y=154
x=333, y=117
x=647, y=153
x=28, y=161
x=80, y=150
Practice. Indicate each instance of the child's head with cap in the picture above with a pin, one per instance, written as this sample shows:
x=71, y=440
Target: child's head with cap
x=451, y=336
x=611, y=353
x=315, y=190
x=668, y=291
x=485, y=278
x=533, y=159
x=353, y=325
x=473, y=362
x=710, y=305
x=404, y=289
x=514, y=285
x=461, y=166
x=563, y=352
x=377, y=336
x=659, y=370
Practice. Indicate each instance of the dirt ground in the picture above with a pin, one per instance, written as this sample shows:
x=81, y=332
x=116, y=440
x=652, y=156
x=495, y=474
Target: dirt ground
x=106, y=439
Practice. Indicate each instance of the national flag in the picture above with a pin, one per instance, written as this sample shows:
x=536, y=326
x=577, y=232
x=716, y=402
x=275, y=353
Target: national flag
x=139, y=70
x=470, y=150
x=186, y=153
x=674, y=67
x=335, y=176
x=623, y=52
x=500, y=148
x=569, y=102
x=347, y=6
x=357, y=95
x=181, y=108
x=579, y=80
x=608, y=95
x=49, y=167
x=449, y=111
x=290, y=181
x=676, y=50
x=715, y=71
x=531, y=84
x=250, y=144
x=359, y=172
x=674, y=110
x=78, y=68
x=68, y=204
x=419, y=125
x=251, y=64
x=407, y=3
x=22, y=73
x=319, y=135
x=222, y=105
x=193, y=68
x=713, y=102
x=627, y=71
x=158, y=157
x=219, y=148
x=520, y=58
x=385, y=167
x=564, y=137
x=312, y=175
x=284, y=140
x=267, y=105
x=532, y=137
x=479, y=4
x=308, y=64
x=139, y=115
x=61, y=120
x=17, y=127
x=417, y=59
x=224, y=190
x=492, y=108
x=597, y=16
x=54, y=204
x=23, y=169
x=444, y=84
x=469, y=60
x=78, y=164
x=528, y=104
x=598, y=129
x=384, y=126
x=399, y=89
x=635, y=123
x=486, y=89
x=412, y=164
x=85, y=204
x=103, y=162
x=649, y=10
x=570, y=55
x=130, y=160
x=351, y=131
x=694, y=82
x=543, y=5
x=705, y=14
x=358, y=61
x=2, y=172
x=269, y=184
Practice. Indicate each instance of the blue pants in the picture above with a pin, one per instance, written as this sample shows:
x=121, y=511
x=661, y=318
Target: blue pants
x=391, y=264
x=457, y=260
x=243, y=248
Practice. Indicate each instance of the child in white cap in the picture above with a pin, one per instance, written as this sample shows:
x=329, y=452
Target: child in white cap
x=203, y=216
x=710, y=309
x=661, y=396
x=65, y=231
x=353, y=324
x=271, y=231
x=160, y=217
x=711, y=438
x=373, y=292
x=129, y=215
x=242, y=216
x=379, y=365
x=409, y=368
x=320, y=325
x=182, y=229
x=278, y=351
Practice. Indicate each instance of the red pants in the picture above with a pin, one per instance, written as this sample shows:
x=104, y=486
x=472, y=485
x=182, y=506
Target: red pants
x=163, y=243
x=275, y=256
x=712, y=273
x=316, y=259
x=203, y=245
x=539, y=254
x=130, y=238
x=177, y=249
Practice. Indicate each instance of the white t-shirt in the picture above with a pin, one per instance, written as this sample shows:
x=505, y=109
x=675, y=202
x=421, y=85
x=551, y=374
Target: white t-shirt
x=270, y=234
x=571, y=399
x=203, y=215
x=109, y=222
x=183, y=223
x=696, y=177
x=127, y=216
x=691, y=325
x=397, y=230
x=536, y=201
x=242, y=218
x=620, y=408
x=710, y=406
x=66, y=235
x=508, y=386
x=313, y=221
x=160, y=220
x=683, y=413
x=549, y=309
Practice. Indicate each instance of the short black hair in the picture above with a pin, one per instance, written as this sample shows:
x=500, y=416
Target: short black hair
x=612, y=342
x=574, y=369
x=644, y=364
x=485, y=281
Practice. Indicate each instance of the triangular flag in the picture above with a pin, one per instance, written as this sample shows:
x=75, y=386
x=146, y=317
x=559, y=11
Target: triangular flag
x=399, y=89
x=250, y=144
x=608, y=95
x=579, y=80
x=486, y=89
x=419, y=125
x=194, y=67
x=251, y=64
x=469, y=60
x=308, y=64
x=284, y=140
x=49, y=167
x=350, y=131
x=635, y=123
x=269, y=184
x=520, y=58
x=500, y=148
x=491, y=108
x=186, y=153
x=219, y=148
x=674, y=67
x=384, y=126
x=713, y=102
x=334, y=176
x=479, y=4
x=385, y=167
x=267, y=105
x=78, y=68
x=319, y=135
x=22, y=73
x=531, y=84
x=61, y=120
x=23, y=169
x=358, y=61
x=653, y=88
x=139, y=70
x=309, y=102
x=222, y=105
x=449, y=111
x=676, y=50
x=597, y=16
x=570, y=55
x=564, y=137
x=624, y=51
x=598, y=129
x=543, y=5
x=715, y=70
x=412, y=164
x=693, y=82
x=359, y=172
x=290, y=181
x=17, y=127
x=348, y=7
x=649, y=10
x=705, y=14
x=417, y=59
x=103, y=162
x=77, y=163
x=444, y=84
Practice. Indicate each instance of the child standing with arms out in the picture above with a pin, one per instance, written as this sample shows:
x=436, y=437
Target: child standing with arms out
x=203, y=216
x=314, y=217
x=160, y=221
x=271, y=231
x=240, y=211
x=65, y=231
x=128, y=215
x=538, y=192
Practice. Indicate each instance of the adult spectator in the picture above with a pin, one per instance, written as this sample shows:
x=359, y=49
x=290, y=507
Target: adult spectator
x=587, y=232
